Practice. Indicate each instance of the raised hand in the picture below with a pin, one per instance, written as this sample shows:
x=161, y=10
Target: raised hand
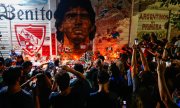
x=65, y=67
x=161, y=66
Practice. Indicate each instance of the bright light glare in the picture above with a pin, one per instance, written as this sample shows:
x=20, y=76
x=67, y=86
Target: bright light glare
x=11, y=1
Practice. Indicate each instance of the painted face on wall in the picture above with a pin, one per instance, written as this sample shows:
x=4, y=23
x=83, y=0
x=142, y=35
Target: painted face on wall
x=76, y=25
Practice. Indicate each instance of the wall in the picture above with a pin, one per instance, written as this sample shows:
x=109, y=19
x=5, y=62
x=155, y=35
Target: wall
x=153, y=18
x=27, y=27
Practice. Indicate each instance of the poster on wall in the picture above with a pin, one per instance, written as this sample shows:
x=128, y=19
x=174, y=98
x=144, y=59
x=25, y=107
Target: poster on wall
x=101, y=24
x=151, y=21
x=28, y=25
x=30, y=37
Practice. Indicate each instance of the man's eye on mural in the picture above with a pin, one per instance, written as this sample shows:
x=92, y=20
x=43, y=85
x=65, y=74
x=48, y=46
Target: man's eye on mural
x=84, y=16
x=72, y=16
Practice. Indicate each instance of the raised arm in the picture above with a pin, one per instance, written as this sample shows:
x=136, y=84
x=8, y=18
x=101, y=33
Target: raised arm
x=76, y=73
x=133, y=60
x=165, y=52
x=134, y=69
x=144, y=61
x=163, y=90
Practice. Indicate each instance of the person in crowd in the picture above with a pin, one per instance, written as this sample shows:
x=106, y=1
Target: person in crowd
x=8, y=62
x=13, y=54
x=75, y=24
x=13, y=96
x=117, y=82
x=167, y=52
x=145, y=40
x=91, y=75
x=103, y=97
x=168, y=79
x=66, y=97
x=122, y=63
x=19, y=60
x=165, y=94
x=26, y=68
x=81, y=86
x=143, y=83
x=42, y=90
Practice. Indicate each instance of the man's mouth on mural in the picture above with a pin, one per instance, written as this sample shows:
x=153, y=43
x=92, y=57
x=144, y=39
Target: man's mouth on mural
x=78, y=41
x=77, y=31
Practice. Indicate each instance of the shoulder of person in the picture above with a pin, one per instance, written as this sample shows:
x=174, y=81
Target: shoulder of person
x=93, y=94
x=54, y=94
x=26, y=92
x=93, y=69
x=3, y=90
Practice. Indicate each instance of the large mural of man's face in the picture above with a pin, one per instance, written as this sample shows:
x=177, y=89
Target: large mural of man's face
x=76, y=25
x=108, y=19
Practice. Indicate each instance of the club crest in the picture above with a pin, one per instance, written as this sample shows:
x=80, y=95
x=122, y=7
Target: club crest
x=30, y=37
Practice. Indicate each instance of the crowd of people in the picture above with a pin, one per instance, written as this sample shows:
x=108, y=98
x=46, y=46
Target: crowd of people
x=146, y=75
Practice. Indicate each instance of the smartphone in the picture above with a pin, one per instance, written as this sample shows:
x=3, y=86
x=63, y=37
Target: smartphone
x=136, y=41
x=168, y=63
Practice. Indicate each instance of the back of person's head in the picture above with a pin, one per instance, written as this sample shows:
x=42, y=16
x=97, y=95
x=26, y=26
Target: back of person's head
x=79, y=67
x=20, y=57
x=153, y=36
x=11, y=75
x=146, y=37
x=98, y=63
x=8, y=62
x=103, y=77
x=1, y=67
x=105, y=65
x=56, y=62
x=115, y=72
x=62, y=79
x=2, y=60
x=123, y=56
x=42, y=82
x=51, y=65
x=1, y=64
x=26, y=64
x=101, y=57
x=66, y=5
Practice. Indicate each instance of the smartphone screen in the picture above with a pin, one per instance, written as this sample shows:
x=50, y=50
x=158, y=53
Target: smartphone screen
x=136, y=41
